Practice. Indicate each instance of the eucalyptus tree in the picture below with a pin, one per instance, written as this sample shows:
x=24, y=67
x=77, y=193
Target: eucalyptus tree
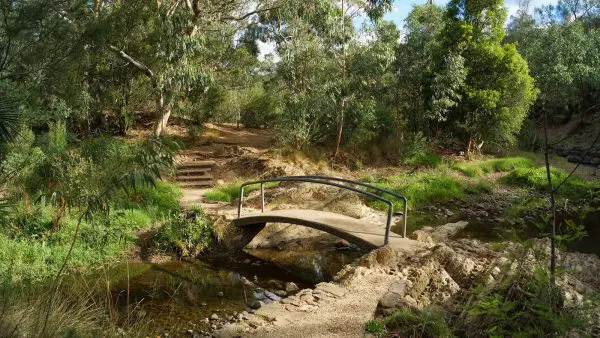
x=565, y=64
x=497, y=90
x=417, y=58
x=177, y=45
x=313, y=40
x=370, y=83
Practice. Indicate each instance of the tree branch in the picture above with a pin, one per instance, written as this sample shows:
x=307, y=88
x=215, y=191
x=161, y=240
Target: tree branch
x=247, y=15
x=133, y=61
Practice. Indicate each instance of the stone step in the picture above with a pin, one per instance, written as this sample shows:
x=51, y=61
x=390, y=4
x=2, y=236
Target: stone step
x=196, y=184
x=194, y=172
x=195, y=165
x=195, y=153
x=202, y=178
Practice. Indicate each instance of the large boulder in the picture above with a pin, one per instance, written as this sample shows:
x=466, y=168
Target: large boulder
x=385, y=257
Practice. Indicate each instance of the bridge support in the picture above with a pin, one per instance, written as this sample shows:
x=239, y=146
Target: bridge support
x=240, y=237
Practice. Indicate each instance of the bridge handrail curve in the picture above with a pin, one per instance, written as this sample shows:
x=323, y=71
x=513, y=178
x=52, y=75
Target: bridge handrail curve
x=326, y=181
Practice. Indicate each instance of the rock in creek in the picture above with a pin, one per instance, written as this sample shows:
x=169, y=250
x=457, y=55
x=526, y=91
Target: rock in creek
x=291, y=287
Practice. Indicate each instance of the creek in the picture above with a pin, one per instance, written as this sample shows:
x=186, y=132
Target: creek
x=180, y=295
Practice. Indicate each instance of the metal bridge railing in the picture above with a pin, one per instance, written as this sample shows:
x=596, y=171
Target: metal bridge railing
x=335, y=182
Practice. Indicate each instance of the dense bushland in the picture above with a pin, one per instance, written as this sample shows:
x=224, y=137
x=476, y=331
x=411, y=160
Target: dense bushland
x=76, y=76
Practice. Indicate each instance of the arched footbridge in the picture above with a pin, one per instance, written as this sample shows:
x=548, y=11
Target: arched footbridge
x=360, y=232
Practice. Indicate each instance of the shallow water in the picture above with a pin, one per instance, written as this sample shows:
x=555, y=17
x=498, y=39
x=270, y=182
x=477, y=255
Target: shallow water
x=180, y=294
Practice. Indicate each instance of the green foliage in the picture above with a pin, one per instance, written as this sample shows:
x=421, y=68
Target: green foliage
x=222, y=194
x=429, y=323
x=9, y=119
x=498, y=90
x=506, y=164
x=261, y=110
x=425, y=159
x=37, y=258
x=522, y=305
x=562, y=59
x=187, y=234
x=417, y=58
x=414, y=150
x=575, y=187
x=374, y=326
x=163, y=198
x=323, y=85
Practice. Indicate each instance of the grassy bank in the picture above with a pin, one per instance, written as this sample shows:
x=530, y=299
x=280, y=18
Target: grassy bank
x=35, y=245
x=447, y=182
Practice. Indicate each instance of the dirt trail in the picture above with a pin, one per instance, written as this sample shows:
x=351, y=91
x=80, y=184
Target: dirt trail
x=221, y=143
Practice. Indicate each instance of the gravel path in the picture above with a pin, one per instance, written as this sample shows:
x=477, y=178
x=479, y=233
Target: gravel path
x=327, y=311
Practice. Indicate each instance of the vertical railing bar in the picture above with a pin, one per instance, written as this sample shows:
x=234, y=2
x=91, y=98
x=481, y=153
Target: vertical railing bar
x=388, y=224
x=405, y=216
x=262, y=197
x=241, y=201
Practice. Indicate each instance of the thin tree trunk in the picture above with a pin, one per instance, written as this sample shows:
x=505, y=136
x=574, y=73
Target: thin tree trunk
x=340, y=129
x=469, y=146
x=552, y=204
x=163, y=114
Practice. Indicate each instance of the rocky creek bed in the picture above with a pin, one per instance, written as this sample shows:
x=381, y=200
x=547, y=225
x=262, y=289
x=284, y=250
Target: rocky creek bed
x=384, y=280
x=454, y=257
x=194, y=297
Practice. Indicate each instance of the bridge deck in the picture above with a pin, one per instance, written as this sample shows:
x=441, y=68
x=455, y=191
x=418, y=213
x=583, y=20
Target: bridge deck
x=355, y=231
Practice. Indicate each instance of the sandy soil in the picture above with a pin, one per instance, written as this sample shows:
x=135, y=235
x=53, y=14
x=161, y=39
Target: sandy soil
x=341, y=317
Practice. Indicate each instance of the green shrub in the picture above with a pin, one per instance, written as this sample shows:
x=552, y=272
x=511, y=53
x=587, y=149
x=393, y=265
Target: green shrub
x=36, y=259
x=521, y=305
x=374, y=326
x=105, y=150
x=415, y=151
x=261, y=110
x=187, y=234
x=426, y=159
x=427, y=323
x=575, y=187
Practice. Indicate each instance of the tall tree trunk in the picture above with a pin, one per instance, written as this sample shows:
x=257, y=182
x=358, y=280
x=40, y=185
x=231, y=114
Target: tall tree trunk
x=163, y=111
x=469, y=146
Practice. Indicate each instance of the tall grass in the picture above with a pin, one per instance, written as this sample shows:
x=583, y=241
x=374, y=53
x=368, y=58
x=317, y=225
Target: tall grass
x=31, y=249
x=84, y=307
x=424, y=187
x=481, y=168
x=575, y=187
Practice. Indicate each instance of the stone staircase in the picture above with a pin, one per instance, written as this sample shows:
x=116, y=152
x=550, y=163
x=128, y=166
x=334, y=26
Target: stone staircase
x=195, y=174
